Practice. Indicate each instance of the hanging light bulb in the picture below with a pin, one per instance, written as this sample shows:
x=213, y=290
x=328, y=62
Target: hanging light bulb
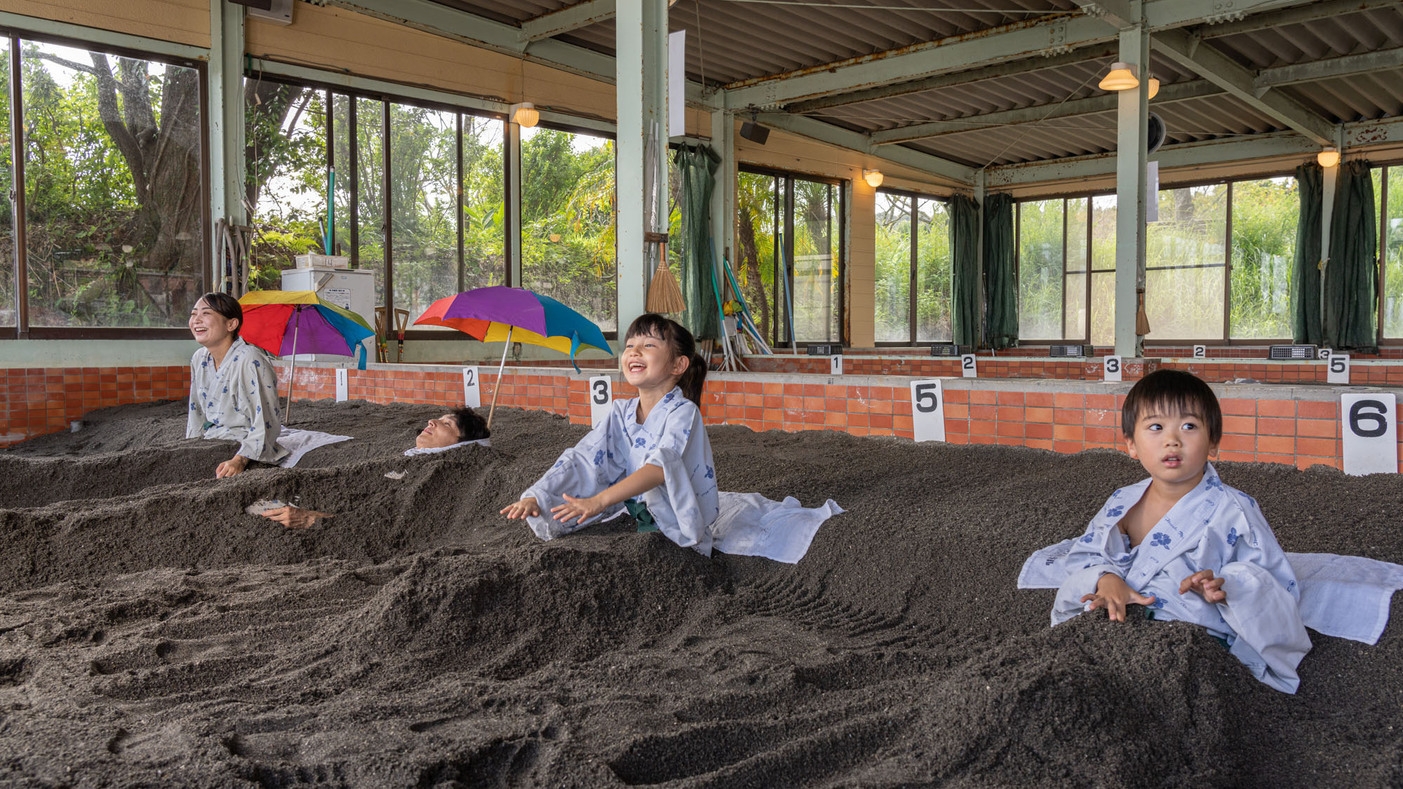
x=1153, y=89
x=1328, y=157
x=873, y=178
x=525, y=114
x=1122, y=77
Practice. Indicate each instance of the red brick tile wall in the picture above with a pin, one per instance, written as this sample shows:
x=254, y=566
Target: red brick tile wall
x=1299, y=427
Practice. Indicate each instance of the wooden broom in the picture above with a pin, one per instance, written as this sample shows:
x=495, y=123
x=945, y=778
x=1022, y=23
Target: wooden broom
x=663, y=294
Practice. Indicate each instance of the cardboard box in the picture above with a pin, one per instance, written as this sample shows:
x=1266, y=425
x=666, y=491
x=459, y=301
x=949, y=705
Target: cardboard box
x=322, y=261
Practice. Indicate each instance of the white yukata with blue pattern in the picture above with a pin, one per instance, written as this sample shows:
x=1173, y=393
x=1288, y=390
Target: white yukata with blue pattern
x=238, y=402
x=673, y=438
x=1213, y=527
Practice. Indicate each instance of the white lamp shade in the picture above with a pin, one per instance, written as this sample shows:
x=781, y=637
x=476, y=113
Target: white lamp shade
x=1328, y=157
x=525, y=114
x=1122, y=77
x=1153, y=89
x=872, y=177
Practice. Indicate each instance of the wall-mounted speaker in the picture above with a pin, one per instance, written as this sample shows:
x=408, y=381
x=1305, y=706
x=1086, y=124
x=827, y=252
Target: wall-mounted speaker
x=754, y=132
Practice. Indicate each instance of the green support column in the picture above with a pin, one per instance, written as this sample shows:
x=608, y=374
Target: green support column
x=1132, y=115
x=226, y=116
x=513, y=201
x=641, y=99
x=723, y=196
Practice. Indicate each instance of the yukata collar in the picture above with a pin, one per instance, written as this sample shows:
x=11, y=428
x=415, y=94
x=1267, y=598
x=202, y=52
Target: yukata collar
x=668, y=402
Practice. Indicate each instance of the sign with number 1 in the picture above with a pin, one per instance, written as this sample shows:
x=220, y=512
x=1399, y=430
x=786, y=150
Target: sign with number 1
x=835, y=364
x=601, y=396
x=472, y=389
x=1370, y=431
x=928, y=410
x=343, y=385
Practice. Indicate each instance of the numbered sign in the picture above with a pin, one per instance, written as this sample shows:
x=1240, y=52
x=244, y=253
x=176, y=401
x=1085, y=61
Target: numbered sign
x=968, y=368
x=835, y=364
x=1337, y=368
x=1200, y=351
x=601, y=395
x=472, y=389
x=1370, y=430
x=1112, y=368
x=343, y=385
x=928, y=410
x=1323, y=353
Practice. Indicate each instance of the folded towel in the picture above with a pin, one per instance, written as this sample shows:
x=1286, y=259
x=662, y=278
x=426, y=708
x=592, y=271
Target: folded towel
x=1342, y=596
x=411, y=452
x=751, y=525
x=300, y=442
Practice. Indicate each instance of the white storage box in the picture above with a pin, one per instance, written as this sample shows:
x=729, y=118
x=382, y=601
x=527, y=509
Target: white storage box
x=322, y=261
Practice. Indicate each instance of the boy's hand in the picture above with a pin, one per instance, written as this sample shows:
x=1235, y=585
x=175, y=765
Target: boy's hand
x=1113, y=593
x=1205, y=585
x=522, y=508
x=230, y=467
x=582, y=509
x=295, y=517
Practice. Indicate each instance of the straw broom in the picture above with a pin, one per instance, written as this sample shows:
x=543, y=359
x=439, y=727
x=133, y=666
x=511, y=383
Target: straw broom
x=663, y=294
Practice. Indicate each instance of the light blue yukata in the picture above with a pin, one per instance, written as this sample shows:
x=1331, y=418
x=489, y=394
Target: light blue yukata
x=238, y=401
x=673, y=438
x=1213, y=527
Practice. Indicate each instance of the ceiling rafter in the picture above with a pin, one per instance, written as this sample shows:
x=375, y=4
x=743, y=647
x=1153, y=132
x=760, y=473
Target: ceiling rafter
x=570, y=18
x=857, y=141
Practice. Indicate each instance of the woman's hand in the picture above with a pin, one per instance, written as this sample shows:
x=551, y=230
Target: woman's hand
x=522, y=508
x=230, y=467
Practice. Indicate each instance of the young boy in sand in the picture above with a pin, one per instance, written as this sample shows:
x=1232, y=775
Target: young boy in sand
x=651, y=454
x=1185, y=545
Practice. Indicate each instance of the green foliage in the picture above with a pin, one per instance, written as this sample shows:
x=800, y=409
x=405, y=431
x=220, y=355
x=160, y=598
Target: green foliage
x=1040, y=267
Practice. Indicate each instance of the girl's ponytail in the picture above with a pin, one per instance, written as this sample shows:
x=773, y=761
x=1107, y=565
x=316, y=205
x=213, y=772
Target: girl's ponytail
x=693, y=378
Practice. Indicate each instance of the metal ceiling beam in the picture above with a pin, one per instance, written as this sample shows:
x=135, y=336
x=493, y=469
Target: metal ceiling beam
x=1345, y=66
x=857, y=141
x=1045, y=36
x=1302, y=15
x=1115, y=12
x=1222, y=71
x=566, y=19
x=1181, y=91
x=1006, y=69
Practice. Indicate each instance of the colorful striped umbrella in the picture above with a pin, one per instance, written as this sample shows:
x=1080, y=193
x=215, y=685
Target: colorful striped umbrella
x=289, y=322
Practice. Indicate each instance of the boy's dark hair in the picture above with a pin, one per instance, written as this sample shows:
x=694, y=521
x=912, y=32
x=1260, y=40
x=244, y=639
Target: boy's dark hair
x=471, y=426
x=227, y=306
x=1174, y=390
x=682, y=344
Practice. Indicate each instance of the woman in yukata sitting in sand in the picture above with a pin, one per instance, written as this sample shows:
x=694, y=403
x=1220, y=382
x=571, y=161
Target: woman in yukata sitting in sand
x=457, y=428
x=651, y=458
x=233, y=387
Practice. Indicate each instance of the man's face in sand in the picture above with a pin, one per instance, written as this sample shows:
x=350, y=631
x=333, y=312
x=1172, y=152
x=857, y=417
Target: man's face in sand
x=209, y=327
x=441, y=432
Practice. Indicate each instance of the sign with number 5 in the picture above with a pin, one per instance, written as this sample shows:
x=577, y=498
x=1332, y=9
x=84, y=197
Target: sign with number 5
x=601, y=397
x=928, y=410
x=1370, y=430
x=1337, y=368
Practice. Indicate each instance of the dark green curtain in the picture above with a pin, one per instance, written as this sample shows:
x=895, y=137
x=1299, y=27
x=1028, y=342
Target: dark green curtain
x=1305, y=279
x=698, y=164
x=964, y=240
x=1000, y=278
x=1351, y=275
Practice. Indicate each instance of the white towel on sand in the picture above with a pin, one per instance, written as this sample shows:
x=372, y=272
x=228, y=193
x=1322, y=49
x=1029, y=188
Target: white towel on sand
x=300, y=442
x=751, y=525
x=412, y=451
x=1342, y=596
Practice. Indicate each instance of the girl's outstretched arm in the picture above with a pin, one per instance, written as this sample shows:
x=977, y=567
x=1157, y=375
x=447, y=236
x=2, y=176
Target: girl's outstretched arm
x=582, y=509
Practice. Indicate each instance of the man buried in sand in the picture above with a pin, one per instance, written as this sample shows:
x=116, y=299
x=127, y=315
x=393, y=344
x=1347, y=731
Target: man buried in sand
x=1183, y=544
x=460, y=427
x=233, y=388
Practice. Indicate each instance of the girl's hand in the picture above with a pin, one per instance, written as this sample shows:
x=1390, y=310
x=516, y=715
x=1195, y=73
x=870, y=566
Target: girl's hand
x=522, y=508
x=230, y=467
x=1205, y=585
x=1113, y=593
x=583, y=509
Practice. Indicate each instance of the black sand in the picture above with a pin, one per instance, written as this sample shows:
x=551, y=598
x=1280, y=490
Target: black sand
x=153, y=634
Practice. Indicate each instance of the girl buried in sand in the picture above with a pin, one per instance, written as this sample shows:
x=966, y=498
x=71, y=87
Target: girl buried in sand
x=233, y=389
x=651, y=457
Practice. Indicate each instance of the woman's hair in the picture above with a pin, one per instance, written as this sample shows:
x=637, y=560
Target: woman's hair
x=225, y=305
x=471, y=427
x=682, y=344
x=1172, y=390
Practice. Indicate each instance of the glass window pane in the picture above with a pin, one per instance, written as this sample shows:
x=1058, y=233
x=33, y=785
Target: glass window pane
x=1392, y=253
x=567, y=221
x=1264, y=218
x=423, y=204
x=285, y=132
x=484, y=202
x=115, y=232
x=893, y=275
x=370, y=191
x=755, y=235
x=8, y=308
x=345, y=237
x=933, y=272
x=1074, y=290
x=1184, y=260
x=1103, y=267
x=1040, y=269
x=814, y=265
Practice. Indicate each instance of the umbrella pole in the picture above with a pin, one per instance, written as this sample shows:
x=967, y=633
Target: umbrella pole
x=292, y=372
x=497, y=389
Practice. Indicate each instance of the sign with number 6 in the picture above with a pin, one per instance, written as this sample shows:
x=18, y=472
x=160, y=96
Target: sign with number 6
x=472, y=391
x=1370, y=430
x=601, y=396
x=928, y=410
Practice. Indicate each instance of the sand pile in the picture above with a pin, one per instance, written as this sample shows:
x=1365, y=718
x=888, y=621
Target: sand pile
x=152, y=633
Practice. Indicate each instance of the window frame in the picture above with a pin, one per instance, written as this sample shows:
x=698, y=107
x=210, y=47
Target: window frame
x=913, y=260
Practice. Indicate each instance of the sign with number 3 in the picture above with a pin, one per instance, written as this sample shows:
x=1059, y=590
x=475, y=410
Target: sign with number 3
x=601, y=396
